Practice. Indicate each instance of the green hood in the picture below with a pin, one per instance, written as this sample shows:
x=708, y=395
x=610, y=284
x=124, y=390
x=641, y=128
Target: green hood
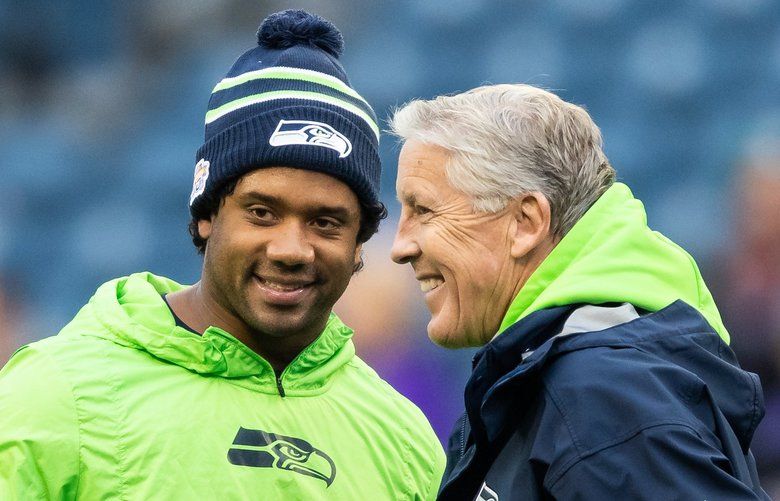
x=611, y=255
x=130, y=311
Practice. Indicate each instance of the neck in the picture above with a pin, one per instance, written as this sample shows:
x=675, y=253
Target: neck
x=196, y=307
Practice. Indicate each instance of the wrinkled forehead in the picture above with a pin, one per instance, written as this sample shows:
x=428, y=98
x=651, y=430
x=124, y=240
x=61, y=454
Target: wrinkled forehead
x=420, y=162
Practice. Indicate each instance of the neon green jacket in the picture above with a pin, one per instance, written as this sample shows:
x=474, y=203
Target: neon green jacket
x=123, y=404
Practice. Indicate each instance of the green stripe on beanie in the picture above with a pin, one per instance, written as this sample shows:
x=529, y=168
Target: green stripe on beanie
x=237, y=104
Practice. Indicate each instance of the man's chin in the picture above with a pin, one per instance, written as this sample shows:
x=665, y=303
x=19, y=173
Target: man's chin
x=448, y=337
x=278, y=329
x=286, y=322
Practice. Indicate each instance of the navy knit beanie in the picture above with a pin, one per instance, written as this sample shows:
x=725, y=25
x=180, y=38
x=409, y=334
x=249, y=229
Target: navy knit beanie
x=288, y=103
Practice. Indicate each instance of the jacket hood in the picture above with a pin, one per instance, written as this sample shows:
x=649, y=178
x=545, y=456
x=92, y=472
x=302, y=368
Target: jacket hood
x=611, y=256
x=130, y=311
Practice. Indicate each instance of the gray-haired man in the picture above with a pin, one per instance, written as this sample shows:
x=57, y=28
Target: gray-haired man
x=606, y=371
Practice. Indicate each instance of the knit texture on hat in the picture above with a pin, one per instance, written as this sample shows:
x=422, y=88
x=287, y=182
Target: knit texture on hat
x=288, y=103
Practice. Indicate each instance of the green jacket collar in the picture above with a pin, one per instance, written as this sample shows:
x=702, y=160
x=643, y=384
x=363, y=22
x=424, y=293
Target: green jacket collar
x=133, y=313
x=610, y=255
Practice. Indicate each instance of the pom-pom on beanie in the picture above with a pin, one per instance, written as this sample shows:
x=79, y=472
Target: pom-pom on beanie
x=288, y=103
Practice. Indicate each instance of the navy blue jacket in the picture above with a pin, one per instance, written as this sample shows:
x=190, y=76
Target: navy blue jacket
x=652, y=408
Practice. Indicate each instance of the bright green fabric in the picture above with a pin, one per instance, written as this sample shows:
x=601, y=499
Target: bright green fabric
x=610, y=255
x=123, y=404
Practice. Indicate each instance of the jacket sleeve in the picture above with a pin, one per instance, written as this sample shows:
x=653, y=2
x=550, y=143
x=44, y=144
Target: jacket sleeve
x=663, y=462
x=38, y=430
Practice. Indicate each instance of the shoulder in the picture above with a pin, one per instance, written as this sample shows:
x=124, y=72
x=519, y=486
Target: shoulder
x=366, y=378
x=49, y=376
x=604, y=392
x=33, y=380
x=627, y=369
x=378, y=393
x=70, y=352
x=32, y=362
x=402, y=426
x=595, y=398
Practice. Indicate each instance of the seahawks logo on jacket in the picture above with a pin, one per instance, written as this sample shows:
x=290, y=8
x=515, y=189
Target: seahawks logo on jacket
x=310, y=133
x=268, y=450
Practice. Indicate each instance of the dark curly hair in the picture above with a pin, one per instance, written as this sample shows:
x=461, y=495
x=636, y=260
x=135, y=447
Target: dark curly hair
x=370, y=216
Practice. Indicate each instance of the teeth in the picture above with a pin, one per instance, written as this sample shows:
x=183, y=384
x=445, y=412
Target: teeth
x=429, y=284
x=281, y=287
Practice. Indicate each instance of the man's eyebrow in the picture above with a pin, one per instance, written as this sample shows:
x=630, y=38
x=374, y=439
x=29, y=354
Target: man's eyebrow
x=331, y=210
x=407, y=198
x=320, y=209
x=256, y=196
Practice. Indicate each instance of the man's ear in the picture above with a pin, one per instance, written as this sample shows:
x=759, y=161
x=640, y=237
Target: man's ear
x=204, y=228
x=358, y=250
x=532, y=216
x=358, y=263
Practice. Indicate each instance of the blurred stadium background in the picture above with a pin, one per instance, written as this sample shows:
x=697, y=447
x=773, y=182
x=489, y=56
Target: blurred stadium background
x=102, y=104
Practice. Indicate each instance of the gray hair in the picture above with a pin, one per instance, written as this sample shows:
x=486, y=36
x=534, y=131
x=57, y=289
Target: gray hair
x=511, y=139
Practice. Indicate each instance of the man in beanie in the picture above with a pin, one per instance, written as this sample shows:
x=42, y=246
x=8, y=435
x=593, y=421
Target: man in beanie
x=244, y=385
x=605, y=371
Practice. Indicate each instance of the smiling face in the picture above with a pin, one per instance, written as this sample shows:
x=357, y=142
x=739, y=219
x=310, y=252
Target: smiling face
x=280, y=252
x=462, y=258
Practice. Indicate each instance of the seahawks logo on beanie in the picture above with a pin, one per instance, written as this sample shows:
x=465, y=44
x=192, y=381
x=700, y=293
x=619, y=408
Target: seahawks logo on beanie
x=288, y=103
x=313, y=133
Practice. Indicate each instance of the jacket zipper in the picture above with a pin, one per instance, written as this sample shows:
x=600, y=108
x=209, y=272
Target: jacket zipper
x=279, y=385
x=463, y=437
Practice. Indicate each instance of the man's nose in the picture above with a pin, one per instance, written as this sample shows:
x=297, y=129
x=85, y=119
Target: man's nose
x=405, y=246
x=290, y=246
